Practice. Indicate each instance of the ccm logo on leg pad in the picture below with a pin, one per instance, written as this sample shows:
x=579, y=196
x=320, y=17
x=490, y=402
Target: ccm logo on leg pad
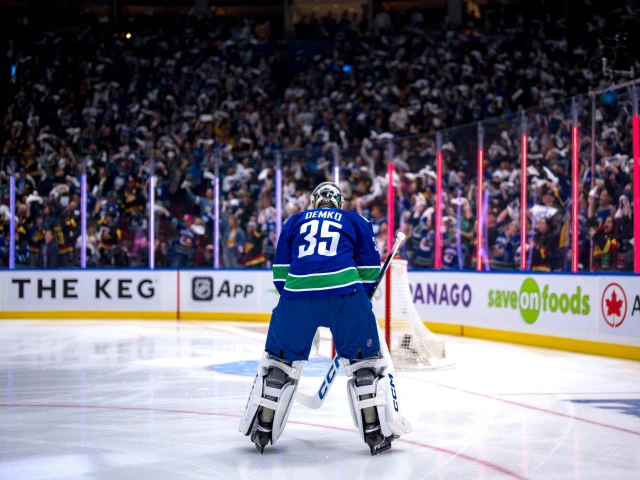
x=393, y=393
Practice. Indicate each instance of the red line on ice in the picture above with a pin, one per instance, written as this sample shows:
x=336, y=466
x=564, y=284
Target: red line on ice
x=229, y=415
x=524, y=405
x=563, y=393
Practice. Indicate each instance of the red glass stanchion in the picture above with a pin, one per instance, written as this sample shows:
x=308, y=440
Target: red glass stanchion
x=438, y=262
x=524, y=190
x=390, y=238
x=480, y=199
x=575, y=243
x=636, y=182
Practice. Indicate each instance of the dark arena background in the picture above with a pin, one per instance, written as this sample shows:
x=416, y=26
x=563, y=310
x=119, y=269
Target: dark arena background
x=154, y=150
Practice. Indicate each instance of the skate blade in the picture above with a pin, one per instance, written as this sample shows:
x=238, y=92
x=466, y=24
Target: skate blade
x=383, y=447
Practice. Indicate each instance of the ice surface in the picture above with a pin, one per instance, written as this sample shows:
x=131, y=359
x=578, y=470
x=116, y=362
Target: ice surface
x=161, y=400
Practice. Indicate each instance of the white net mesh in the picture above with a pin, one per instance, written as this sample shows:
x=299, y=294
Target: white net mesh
x=412, y=344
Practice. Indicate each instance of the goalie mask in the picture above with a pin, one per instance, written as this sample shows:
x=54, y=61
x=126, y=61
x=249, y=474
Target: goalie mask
x=327, y=195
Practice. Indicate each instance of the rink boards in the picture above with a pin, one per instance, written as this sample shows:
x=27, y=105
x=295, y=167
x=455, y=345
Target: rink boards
x=584, y=313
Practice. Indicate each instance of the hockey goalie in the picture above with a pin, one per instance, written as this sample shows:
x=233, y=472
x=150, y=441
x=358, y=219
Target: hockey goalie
x=325, y=268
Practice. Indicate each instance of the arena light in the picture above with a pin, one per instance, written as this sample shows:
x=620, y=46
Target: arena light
x=480, y=198
x=152, y=221
x=335, y=151
x=439, y=210
x=458, y=236
x=636, y=182
x=278, y=201
x=574, y=199
x=533, y=232
x=12, y=222
x=216, y=222
x=83, y=217
x=485, y=231
x=523, y=203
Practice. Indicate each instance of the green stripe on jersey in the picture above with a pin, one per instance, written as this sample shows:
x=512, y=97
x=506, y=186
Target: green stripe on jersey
x=323, y=281
x=369, y=274
x=280, y=272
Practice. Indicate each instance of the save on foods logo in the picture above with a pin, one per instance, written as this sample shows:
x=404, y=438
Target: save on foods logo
x=614, y=305
x=530, y=300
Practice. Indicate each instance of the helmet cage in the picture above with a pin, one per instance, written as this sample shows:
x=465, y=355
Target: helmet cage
x=327, y=195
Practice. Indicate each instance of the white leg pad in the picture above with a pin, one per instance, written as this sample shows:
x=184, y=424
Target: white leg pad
x=284, y=396
x=282, y=413
x=391, y=419
x=385, y=397
x=356, y=413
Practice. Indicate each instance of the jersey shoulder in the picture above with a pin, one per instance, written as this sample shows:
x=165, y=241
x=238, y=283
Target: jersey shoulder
x=293, y=218
x=356, y=218
x=296, y=216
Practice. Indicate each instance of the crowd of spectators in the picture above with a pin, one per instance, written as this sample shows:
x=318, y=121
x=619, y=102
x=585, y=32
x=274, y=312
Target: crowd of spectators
x=605, y=208
x=173, y=101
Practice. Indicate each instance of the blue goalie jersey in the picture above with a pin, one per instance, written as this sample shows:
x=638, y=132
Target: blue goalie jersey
x=325, y=252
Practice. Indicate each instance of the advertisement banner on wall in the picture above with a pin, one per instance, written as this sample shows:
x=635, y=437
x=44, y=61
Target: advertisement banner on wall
x=618, y=306
x=596, y=308
x=442, y=297
x=227, y=291
x=89, y=290
x=540, y=304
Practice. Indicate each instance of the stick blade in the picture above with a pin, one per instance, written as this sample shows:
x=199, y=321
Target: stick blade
x=310, y=401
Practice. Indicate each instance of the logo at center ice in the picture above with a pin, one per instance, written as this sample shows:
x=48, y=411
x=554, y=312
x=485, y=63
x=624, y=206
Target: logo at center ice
x=202, y=289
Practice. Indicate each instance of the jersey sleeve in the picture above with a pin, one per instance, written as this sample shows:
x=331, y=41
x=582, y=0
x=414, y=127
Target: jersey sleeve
x=367, y=258
x=283, y=257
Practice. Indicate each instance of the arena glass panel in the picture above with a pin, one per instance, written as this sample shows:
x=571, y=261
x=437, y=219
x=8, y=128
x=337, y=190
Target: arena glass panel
x=415, y=198
x=549, y=176
x=42, y=211
x=609, y=186
x=548, y=130
x=5, y=200
x=502, y=224
x=460, y=156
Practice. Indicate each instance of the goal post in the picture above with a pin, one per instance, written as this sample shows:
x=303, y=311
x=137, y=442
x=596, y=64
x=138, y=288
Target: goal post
x=411, y=344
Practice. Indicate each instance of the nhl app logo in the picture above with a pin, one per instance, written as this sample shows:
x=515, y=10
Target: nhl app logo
x=614, y=305
x=202, y=289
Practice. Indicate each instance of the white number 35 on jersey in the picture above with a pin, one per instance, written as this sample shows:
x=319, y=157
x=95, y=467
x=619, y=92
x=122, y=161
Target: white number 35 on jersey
x=326, y=248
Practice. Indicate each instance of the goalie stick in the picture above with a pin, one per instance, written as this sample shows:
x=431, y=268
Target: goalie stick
x=316, y=401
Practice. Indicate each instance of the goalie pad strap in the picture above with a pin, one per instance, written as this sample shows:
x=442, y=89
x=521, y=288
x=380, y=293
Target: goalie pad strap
x=384, y=397
x=272, y=392
x=271, y=374
x=292, y=371
x=266, y=403
x=366, y=389
x=352, y=366
x=369, y=402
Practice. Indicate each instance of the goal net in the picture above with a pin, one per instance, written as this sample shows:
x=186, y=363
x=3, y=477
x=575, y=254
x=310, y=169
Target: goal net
x=412, y=345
